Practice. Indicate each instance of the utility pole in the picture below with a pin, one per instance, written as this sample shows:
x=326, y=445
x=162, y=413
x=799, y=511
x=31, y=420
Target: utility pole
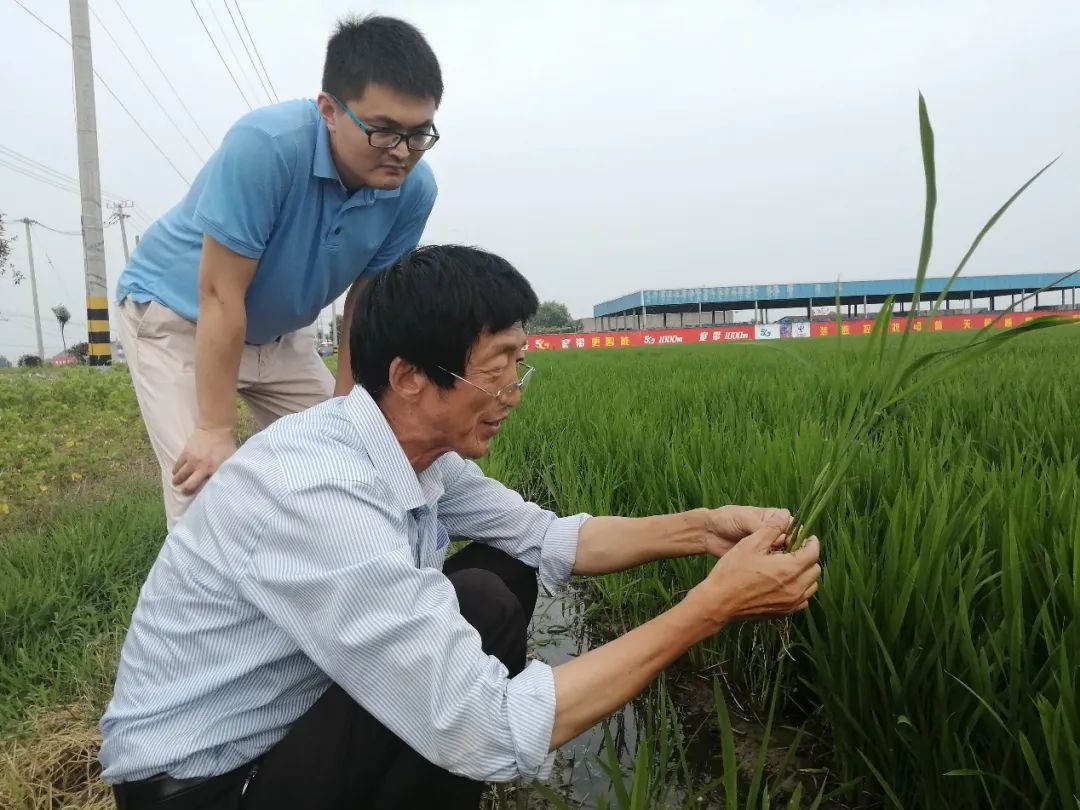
x=33, y=289
x=118, y=212
x=97, y=301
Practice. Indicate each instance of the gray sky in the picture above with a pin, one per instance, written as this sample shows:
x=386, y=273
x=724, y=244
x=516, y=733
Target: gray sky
x=608, y=146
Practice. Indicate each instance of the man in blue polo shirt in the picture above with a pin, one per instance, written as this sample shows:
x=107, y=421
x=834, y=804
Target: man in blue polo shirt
x=302, y=201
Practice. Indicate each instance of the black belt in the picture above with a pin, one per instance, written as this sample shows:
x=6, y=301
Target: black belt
x=177, y=794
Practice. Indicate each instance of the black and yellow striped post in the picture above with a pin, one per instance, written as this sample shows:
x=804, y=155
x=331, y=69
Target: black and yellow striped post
x=97, y=328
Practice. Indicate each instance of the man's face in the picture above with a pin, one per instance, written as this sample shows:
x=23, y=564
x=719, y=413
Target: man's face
x=469, y=418
x=380, y=108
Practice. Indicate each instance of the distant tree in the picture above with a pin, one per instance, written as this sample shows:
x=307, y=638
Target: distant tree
x=552, y=316
x=62, y=318
x=4, y=362
x=6, y=267
x=29, y=361
x=81, y=351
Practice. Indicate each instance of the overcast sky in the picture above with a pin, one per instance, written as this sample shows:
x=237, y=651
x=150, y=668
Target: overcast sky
x=605, y=146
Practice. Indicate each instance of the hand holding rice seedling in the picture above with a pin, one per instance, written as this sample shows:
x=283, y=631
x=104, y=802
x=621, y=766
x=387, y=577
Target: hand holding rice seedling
x=751, y=582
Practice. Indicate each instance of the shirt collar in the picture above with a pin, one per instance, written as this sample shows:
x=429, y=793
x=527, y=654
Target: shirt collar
x=323, y=166
x=387, y=456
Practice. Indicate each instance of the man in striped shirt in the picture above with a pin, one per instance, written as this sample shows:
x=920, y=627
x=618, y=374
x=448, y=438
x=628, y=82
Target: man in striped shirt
x=302, y=640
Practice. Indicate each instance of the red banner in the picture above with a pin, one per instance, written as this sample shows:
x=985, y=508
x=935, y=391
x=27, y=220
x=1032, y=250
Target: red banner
x=725, y=334
x=651, y=337
x=942, y=323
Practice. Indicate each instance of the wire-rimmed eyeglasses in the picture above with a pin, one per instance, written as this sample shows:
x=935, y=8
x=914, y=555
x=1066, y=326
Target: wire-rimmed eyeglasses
x=524, y=372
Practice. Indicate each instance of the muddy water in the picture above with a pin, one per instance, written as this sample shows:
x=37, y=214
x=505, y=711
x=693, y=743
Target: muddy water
x=558, y=633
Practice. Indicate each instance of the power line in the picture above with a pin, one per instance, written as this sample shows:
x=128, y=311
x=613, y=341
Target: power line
x=165, y=76
x=55, y=230
x=251, y=59
x=149, y=90
x=40, y=178
x=36, y=17
x=49, y=182
x=216, y=48
x=256, y=49
x=34, y=165
x=37, y=166
x=116, y=98
x=232, y=50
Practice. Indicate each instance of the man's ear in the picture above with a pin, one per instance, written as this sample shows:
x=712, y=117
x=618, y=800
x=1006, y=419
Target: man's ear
x=405, y=379
x=327, y=109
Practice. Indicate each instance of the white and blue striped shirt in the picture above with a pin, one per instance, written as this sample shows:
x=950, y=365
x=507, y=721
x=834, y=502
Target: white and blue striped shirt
x=314, y=555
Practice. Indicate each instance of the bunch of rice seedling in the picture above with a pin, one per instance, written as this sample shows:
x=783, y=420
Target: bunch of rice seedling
x=889, y=375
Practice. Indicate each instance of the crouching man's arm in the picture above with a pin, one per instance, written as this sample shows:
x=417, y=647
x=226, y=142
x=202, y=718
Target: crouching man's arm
x=607, y=544
x=484, y=510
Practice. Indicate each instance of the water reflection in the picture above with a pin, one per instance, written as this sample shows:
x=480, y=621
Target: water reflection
x=559, y=632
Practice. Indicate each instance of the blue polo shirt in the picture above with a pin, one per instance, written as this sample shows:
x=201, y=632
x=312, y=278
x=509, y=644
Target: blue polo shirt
x=271, y=192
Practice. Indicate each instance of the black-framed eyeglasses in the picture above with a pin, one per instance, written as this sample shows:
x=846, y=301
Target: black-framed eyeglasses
x=524, y=373
x=382, y=138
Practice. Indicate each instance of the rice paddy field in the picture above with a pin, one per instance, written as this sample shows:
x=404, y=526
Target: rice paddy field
x=940, y=664
x=939, y=667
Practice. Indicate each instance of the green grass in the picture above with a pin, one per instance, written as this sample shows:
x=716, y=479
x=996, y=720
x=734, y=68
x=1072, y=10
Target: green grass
x=64, y=429
x=66, y=593
x=939, y=666
x=69, y=432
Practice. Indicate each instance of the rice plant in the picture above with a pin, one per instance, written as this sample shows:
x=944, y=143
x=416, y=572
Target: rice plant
x=654, y=772
x=887, y=378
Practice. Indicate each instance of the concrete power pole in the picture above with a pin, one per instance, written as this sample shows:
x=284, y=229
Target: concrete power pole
x=97, y=301
x=118, y=212
x=33, y=290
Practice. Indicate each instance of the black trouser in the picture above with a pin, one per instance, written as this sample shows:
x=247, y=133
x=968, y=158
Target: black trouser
x=338, y=755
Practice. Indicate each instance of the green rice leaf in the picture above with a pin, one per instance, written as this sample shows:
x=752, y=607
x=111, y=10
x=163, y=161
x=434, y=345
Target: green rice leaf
x=727, y=746
x=990, y=223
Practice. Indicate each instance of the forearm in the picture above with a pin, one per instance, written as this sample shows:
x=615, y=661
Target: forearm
x=219, y=343
x=607, y=544
x=344, y=380
x=592, y=686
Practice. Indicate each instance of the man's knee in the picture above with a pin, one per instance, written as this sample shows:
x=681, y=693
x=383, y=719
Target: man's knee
x=518, y=576
x=492, y=608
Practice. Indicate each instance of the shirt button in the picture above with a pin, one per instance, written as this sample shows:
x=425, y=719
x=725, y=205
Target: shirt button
x=337, y=230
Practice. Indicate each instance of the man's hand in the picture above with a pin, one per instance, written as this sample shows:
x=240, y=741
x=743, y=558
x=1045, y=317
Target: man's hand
x=726, y=526
x=751, y=581
x=205, y=451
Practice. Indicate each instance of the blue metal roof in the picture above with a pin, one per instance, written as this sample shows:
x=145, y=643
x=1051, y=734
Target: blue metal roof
x=825, y=291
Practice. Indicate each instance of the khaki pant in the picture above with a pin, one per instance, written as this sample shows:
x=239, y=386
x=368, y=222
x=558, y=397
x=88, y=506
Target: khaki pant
x=275, y=379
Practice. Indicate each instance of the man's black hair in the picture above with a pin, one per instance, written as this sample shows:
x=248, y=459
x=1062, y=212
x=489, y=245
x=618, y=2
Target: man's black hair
x=380, y=50
x=430, y=309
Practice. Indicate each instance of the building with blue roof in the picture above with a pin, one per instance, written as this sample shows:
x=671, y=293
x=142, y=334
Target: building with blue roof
x=701, y=306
